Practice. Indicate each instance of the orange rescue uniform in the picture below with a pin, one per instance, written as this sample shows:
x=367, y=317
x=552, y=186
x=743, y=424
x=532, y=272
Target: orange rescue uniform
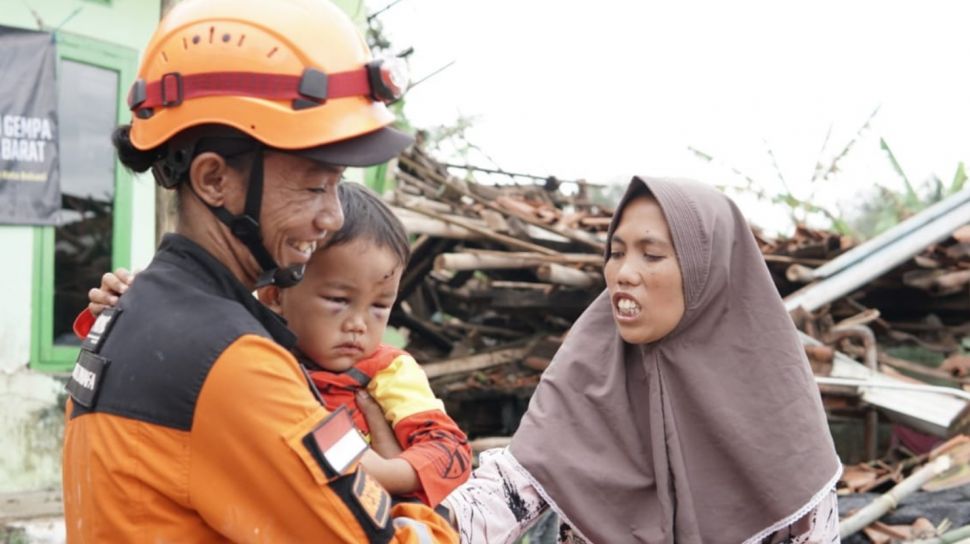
x=201, y=425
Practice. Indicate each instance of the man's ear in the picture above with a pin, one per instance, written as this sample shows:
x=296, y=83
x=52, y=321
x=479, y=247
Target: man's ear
x=212, y=179
x=270, y=297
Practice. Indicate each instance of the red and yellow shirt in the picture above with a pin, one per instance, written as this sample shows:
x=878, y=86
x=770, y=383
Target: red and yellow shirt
x=432, y=442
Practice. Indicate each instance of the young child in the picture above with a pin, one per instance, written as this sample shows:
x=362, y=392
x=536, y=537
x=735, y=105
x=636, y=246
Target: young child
x=339, y=313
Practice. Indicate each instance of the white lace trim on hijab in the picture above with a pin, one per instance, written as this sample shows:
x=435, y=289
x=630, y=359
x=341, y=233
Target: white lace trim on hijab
x=801, y=512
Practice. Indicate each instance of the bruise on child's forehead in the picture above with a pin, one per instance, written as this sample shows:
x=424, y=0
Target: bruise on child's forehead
x=391, y=273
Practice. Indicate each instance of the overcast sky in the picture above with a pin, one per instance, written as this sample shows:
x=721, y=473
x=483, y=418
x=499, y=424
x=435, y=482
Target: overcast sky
x=601, y=90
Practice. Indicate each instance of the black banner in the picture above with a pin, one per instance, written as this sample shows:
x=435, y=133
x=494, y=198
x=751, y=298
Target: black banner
x=30, y=188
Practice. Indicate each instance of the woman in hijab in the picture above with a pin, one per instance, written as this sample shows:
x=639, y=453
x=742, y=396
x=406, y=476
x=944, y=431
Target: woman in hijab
x=680, y=408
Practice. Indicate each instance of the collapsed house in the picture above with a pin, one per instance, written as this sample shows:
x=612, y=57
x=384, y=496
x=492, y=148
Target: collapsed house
x=500, y=272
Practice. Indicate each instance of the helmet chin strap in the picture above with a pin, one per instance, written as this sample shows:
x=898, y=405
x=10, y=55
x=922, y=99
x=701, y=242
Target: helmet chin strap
x=245, y=227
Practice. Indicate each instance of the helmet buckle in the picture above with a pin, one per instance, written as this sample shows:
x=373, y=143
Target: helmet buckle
x=313, y=85
x=171, y=84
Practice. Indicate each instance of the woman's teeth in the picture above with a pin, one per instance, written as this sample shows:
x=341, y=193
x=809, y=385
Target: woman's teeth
x=628, y=307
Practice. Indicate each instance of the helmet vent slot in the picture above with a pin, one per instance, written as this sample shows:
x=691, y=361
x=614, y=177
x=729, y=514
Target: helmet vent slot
x=272, y=52
x=212, y=31
x=164, y=56
x=241, y=40
x=185, y=43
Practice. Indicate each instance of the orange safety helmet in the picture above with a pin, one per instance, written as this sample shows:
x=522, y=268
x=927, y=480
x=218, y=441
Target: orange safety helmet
x=292, y=74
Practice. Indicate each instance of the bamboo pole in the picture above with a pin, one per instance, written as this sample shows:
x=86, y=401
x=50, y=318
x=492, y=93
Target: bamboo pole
x=416, y=223
x=524, y=285
x=473, y=362
x=561, y=258
x=497, y=260
x=422, y=186
x=884, y=503
x=564, y=275
x=501, y=238
x=426, y=203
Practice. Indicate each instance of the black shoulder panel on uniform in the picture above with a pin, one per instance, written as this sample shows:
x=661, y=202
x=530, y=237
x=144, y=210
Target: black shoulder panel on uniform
x=175, y=324
x=368, y=502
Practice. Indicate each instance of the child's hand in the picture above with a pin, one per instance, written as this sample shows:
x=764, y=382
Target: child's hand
x=382, y=439
x=397, y=476
x=112, y=287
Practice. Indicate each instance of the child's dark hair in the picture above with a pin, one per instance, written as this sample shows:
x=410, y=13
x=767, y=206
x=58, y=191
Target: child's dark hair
x=366, y=216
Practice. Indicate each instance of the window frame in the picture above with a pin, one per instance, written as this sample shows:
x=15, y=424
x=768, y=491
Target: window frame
x=44, y=354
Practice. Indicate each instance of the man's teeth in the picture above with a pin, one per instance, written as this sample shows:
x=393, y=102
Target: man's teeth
x=304, y=247
x=627, y=306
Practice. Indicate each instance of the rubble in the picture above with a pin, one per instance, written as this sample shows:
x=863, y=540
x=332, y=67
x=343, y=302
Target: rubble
x=497, y=276
x=500, y=272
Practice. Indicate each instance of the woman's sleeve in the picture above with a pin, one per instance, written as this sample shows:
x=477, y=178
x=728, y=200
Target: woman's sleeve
x=499, y=503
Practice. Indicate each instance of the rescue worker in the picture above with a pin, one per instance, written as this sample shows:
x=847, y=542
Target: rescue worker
x=189, y=420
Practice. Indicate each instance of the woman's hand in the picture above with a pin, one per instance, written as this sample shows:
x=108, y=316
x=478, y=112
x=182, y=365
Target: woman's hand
x=113, y=285
x=382, y=439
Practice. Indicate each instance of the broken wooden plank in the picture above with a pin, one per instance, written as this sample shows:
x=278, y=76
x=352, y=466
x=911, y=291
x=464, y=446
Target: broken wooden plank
x=484, y=231
x=498, y=260
x=472, y=363
x=570, y=277
x=418, y=224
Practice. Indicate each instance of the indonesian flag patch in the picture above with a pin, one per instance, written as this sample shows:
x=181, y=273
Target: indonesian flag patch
x=336, y=444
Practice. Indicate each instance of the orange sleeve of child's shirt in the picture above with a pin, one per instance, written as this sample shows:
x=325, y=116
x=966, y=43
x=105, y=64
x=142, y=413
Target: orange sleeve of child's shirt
x=83, y=323
x=433, y=444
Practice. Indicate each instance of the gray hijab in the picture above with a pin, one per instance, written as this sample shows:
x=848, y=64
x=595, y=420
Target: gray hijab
x=713, y=434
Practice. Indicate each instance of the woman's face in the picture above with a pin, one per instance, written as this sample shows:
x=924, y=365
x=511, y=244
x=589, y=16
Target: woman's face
x=643, y=275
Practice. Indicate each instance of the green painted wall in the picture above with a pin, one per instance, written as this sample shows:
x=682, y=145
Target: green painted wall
x=32, y=401
x=124, y=22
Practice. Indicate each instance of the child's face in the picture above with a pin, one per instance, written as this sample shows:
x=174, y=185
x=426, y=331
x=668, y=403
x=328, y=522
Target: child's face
x=340, y=309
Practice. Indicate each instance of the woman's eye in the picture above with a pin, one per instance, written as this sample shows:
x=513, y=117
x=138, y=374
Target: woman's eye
x=616, y=254
x=653, y=258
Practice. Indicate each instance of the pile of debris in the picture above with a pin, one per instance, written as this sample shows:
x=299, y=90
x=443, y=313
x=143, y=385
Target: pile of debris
x=500, y=272
x=924, y=498
x=497, y=276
